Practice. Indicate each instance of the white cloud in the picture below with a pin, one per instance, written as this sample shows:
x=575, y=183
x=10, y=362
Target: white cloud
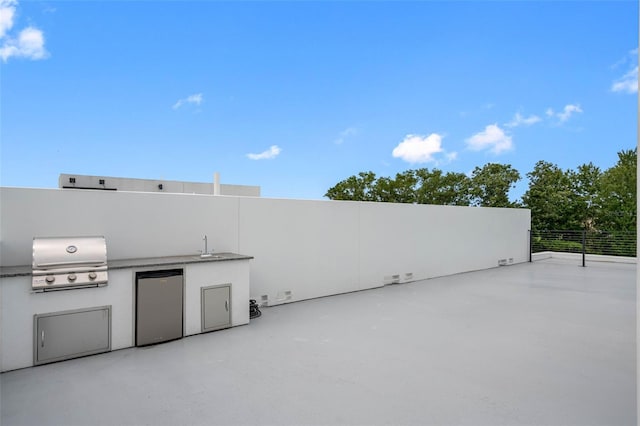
x=269, y=154
x=195, y=99
x=628, y=83
x=450, y=156
x=28, y=44
x=492, y=138
x=350, y=131
x=568, y=111
x=629, y=57
x=7, y=12
x=519, y=120
x=419, y=149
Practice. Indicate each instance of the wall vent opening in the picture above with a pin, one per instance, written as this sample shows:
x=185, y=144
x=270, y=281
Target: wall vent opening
x=391, y=279
x=283, y=296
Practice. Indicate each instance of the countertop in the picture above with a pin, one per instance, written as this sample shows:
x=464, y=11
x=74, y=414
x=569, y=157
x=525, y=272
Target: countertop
x=25, y=270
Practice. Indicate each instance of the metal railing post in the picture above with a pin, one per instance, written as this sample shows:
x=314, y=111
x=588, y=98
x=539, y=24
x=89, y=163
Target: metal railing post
x=530, y=247
x=584, y=247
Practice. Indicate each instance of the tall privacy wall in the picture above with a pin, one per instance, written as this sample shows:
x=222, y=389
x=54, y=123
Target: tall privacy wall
x=302, y=249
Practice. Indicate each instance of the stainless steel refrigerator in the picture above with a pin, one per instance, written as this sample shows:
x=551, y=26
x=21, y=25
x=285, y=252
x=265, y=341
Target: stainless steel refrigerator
x=159, y=306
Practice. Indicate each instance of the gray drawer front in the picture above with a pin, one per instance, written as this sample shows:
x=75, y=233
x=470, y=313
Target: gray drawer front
x=70, y=334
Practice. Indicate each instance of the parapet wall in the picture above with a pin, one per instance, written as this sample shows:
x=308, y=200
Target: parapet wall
x=302, y=249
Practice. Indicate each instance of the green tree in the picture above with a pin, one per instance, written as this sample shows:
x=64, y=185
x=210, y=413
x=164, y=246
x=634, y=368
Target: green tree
x=490, y=185
x=550, y=197
x=617, y=195
x=435, y=187
x=356, y=188
x=383, y=190
x=399, y=190
x=405, y=187
x=585, y=183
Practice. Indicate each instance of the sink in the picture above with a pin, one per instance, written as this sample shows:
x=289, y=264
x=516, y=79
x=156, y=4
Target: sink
x=209, y=256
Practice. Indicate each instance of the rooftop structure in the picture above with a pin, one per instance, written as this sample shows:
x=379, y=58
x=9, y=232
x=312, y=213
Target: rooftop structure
x=547, y=342
x=72, y=181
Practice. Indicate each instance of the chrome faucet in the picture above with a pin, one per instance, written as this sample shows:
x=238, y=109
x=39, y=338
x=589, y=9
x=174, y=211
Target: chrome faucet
x=206, y=250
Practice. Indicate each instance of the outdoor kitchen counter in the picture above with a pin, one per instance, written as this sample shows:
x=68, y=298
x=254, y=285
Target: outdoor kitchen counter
x=25, y=270
x=19, y=304
x=174, y=260
x=15, y=271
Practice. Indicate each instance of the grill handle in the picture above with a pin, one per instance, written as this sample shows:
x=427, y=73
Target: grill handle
x=83, y=262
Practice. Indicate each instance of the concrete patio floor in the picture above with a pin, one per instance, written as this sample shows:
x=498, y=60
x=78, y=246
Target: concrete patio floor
x=544, y=343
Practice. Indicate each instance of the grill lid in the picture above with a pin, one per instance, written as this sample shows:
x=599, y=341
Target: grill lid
x=61, y=263
x=68, y=252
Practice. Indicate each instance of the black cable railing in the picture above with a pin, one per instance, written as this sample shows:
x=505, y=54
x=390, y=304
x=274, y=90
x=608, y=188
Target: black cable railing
x=609, y=243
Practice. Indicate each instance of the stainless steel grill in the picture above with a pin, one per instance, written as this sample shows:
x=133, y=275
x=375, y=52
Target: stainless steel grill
x=61, y=263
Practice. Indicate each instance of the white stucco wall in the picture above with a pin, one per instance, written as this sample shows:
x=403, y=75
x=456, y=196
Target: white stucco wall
x=134, y=224
x=307, y=248
x=318, y=248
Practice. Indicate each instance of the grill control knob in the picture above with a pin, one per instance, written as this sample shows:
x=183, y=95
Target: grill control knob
x=50, y=279
x=93, y=276
x=72, y=277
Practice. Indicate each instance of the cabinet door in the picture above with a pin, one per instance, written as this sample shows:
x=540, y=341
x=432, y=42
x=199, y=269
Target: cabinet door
x=216, y=307
x=70, y=334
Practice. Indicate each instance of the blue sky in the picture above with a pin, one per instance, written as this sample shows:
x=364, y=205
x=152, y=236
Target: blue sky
x=296, y=96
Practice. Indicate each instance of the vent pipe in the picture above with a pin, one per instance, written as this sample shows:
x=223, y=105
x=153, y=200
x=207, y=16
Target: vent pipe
x=216, y=183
